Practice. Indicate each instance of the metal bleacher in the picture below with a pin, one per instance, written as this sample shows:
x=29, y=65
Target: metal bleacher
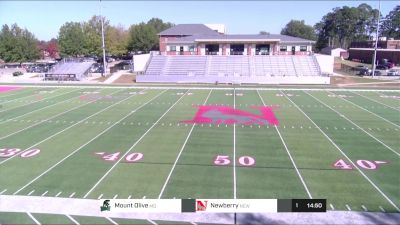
x=215, y=67
x=69, y=70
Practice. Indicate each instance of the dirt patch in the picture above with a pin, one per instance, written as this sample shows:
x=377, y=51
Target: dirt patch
x=102, y=79
x=126, y=79
x=361, y=81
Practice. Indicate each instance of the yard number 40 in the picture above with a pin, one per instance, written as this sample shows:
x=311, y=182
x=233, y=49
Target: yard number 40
x=364, y=164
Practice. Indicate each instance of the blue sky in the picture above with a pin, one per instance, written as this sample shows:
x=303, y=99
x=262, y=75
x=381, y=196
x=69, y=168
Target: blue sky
x=44, y=18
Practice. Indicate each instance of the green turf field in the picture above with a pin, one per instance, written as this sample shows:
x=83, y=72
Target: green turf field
x=87, y=142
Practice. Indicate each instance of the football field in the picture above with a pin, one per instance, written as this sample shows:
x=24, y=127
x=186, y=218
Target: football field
x=225, y=143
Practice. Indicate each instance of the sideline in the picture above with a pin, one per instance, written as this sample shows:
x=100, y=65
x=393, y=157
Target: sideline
x=180, y=87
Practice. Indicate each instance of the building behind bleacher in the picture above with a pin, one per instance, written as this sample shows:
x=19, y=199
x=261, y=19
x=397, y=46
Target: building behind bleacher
x=199, y=39
x=386, y=49
x=196, y=53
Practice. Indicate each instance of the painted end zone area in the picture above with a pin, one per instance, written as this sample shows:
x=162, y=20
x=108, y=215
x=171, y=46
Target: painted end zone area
x=8, y=88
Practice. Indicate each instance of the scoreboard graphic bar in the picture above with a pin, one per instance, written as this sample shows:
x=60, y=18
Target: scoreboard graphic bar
x=213, y=205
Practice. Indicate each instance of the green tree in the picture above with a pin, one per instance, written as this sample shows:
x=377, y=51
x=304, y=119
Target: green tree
x=344, y=25
x=142, y=37
x=72, y=40
x=117, y=40
x=93, y=39
x=391, y=24
x=17, y=45
x=158, y=24
x=297, y=28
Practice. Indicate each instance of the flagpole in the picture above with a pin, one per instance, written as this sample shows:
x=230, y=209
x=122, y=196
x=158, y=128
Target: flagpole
x=103, y=44
x=376, y=40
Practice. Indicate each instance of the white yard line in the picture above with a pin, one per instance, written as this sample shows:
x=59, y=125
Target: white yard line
x=1, y=102
x=40, y=108
x=344, y=154
x=152, y=222
x=376, y=101
x=16, y=92
x=49, y=118
x=34, y=101
x=33, y=218
x=127, y=152
x=72, y=219
x=289, y=154
x=179, y=155
x=98, y=135
x=343, y=116
x=368, y=111
x=111, y=221
x=49, y=137
x=234, y=147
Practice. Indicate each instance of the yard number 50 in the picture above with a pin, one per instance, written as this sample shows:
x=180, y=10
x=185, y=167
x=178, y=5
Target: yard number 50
x=223, y=160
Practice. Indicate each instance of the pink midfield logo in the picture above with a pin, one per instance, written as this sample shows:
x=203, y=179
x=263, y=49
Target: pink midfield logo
x=227, y=115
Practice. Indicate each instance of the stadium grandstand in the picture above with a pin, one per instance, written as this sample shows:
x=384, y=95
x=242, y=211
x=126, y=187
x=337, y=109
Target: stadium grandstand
x=69, y=70
x=195, y=53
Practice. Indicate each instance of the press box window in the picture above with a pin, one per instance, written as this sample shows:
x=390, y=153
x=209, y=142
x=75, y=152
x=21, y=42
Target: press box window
x=303, y=48
x=283, y=48
x=172, y=48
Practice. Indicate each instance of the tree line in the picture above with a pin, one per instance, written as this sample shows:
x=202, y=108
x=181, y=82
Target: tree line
x=344, y=25
x=337, y=28
x=77, y=39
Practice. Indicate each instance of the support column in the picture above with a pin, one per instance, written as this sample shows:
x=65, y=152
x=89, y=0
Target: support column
x=248, y=49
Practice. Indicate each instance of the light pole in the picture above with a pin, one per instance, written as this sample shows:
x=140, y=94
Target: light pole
x=103, y=45
x=376, y=40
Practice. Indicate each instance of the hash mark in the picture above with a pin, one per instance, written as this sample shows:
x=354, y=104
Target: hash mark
x=3, y=191
x=130, y=196
x=59, y=193
x=115, y=196
x=333, y=208
x=348, y=207
x=101, y=195
x=45, y=193
x=72, y=195
x=31, y=192
x=382, y=209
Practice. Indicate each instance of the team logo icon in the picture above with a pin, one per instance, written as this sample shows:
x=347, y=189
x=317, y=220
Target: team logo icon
x=228, y=115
